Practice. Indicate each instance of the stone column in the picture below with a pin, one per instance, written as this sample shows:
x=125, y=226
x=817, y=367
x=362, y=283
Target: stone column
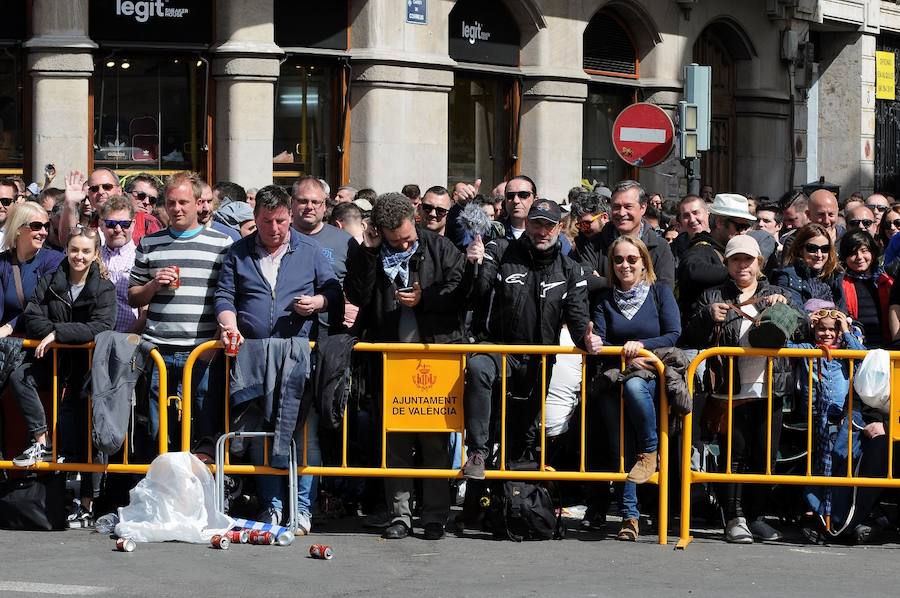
x=550, y=137
x=60, y=66
x=398, y=96
x=245, y=68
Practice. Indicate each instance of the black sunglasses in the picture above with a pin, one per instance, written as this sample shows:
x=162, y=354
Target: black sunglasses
x=519, y=194
x=6, y=201
x=428, y=209
x=106, y=187
x=874, y=207
x=739, y=225
x=632, y=259
x=812, y=248
x=125, y=224
x=895, y=222
x=36, y=226
x=145, y=197
x=860, y=223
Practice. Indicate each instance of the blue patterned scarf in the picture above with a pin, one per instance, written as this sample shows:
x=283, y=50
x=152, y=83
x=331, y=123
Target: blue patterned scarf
x=629, y=302
x=396, y=263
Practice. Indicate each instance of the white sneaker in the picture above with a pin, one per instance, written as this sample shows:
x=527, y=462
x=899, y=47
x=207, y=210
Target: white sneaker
x=737, y=532
x=304, y=525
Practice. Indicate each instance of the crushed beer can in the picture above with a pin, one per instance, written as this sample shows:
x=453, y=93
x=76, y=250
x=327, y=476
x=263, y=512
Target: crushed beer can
x=261, y=537
x=321, y=551
x=125, y=545
x=220, y=542
x=238, y=536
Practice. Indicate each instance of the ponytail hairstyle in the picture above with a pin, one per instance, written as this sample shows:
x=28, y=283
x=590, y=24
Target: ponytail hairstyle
x=87, y=232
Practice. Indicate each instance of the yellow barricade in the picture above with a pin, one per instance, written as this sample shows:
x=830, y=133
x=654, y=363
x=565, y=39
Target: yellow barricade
x=689, y=476
x=53, y=420
x=436, y=373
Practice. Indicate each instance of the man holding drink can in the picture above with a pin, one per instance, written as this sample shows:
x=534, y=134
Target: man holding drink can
x=274, y=283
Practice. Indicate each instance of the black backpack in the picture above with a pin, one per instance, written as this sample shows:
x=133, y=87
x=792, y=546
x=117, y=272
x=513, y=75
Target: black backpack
x=522, y=510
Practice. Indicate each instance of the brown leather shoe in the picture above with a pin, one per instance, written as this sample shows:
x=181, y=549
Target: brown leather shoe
x=644, y=468
x=629, y=531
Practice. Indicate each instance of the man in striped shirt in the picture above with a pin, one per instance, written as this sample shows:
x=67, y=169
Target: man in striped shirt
x=178, y=319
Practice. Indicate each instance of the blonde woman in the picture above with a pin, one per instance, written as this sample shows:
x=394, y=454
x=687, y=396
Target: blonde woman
x=23, y=262
x=639, y=313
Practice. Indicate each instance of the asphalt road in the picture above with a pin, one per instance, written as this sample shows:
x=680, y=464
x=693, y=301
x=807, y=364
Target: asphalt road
x=80, y=562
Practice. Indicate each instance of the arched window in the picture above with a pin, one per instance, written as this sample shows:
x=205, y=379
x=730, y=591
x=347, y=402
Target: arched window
x=609, y=49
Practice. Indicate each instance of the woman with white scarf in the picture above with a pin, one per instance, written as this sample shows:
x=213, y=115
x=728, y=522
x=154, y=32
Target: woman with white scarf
x=638, y=313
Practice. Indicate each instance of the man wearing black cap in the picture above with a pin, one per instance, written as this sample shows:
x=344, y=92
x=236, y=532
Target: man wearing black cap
x=526, y=289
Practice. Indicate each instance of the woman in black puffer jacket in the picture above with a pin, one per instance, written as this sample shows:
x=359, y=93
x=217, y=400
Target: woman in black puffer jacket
x=715, y=323
x=71, y=306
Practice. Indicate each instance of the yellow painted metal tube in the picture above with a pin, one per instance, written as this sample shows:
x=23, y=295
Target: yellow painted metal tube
x=187, y=391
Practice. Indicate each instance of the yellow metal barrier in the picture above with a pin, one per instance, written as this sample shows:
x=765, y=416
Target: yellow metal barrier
x=689, y=476
x=661, y=478
x=53, y=420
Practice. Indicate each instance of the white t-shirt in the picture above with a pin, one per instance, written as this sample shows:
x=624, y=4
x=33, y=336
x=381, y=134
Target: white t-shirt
x=752, y=370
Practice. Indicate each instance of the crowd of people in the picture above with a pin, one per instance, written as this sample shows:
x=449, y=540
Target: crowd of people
x=183, y=262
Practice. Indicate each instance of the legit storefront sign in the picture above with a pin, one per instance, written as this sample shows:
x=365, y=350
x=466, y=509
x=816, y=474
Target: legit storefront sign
x=483, y=32
x=185, y=22
x=423, y=394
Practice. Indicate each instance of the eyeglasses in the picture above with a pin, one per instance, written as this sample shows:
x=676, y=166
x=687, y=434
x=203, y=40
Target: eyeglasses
x=861, y=223
x=6, y=201
x=428, y=209
x=826, y=313
x=895, y=223
x=583, y=224
x=520, y=194
x=125, y=224
x=309, y=202
x=106, y=187
x=632, y=259
x=878, y=207
x=812, y=248
x=36, y=226
x=145, y=196
x=739, y=225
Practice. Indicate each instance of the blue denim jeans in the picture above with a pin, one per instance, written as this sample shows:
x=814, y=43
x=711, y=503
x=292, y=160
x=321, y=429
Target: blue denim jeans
x=206, y=416
x=640, y=399
x=271, y=490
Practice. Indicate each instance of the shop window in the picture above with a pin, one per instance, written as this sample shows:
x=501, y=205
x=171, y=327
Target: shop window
x=307, y=122
x=11, y=105
x=150, y=114
x=609, y=49
x=599, y=160
x=481, y=130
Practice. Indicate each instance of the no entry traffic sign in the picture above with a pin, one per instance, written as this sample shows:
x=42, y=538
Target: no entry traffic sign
x=643, y=135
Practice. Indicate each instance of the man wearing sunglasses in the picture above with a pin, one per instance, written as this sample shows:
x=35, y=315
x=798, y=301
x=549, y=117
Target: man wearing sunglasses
x=433, y=209
x=879, y=205
x=117, y=254
x=591, y=213
x=101, y=185
x=144, y=192
x=862, y=218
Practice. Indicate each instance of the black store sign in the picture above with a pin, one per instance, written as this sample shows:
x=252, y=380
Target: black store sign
x=188, y=22
x=311, y=24
x=484, y=32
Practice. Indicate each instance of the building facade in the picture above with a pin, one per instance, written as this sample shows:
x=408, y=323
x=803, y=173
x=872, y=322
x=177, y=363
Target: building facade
x=381, y=93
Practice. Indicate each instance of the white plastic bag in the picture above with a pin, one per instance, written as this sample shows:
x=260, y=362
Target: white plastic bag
x=175, y=501
x=872, y=380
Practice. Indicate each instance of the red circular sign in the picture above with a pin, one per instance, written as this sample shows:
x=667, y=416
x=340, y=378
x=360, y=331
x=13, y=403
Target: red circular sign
x=643, y=135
